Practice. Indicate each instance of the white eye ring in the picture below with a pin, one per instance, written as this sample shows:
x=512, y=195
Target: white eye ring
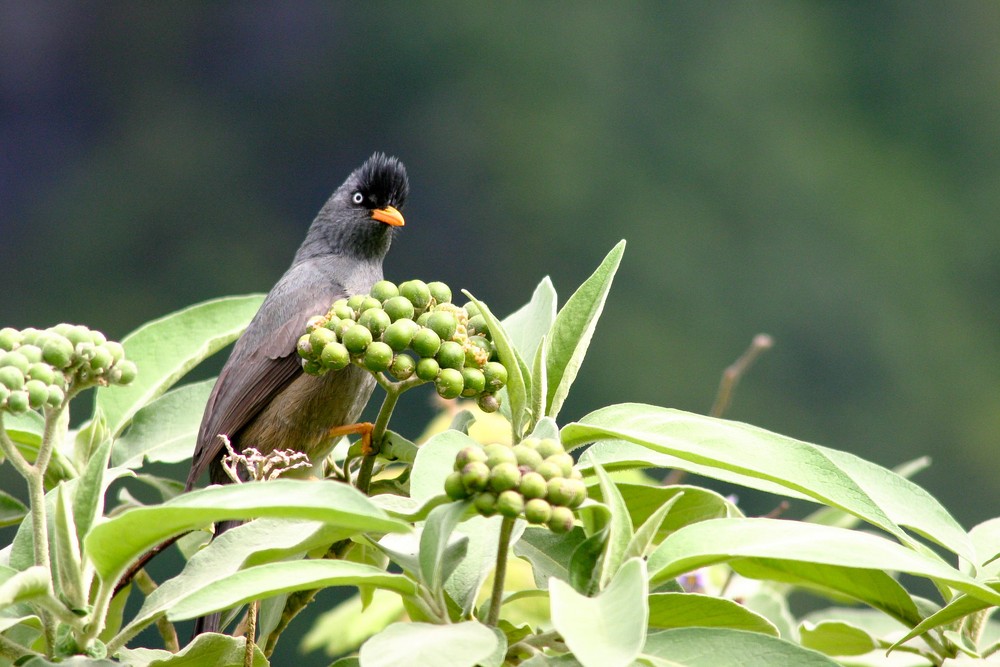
x=357, y=198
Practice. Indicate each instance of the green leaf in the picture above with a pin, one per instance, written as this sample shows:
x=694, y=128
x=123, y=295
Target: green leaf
x=584, y=564
x=619, y=528
x=435, y=539
x=283, y=577
x=824, y=475
x=119, y=541
x=836, y=638
x=88, y=439
x=721, y=540
x=573, y=328
x=874, y=587
x=608, y=630
x=165, y=349
x=539, y=380
x=528, y=325
x=25, y=586
x=679, y=610
x=12, y=510
x=88, y=496
x=723, y=647
x=67, y=561
x=252, y=543
x=345, y=627
x=518, y=376
x=548, y=553
x=165, y=430
x=206, y=649
x=409, y=644
x=646, y=534
x=690, y=504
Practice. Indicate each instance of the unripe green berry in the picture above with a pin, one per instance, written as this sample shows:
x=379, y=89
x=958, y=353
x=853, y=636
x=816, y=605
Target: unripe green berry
x=428, y=369
x=58, y=352
x=526, y=456
x=399, y=308
x=334, y=356
x=18, y=401
x=440, y=292
x=331, y=322
x=354, y=301
x=319, y=338
x=474, y=382
x=9, y=338
x=537, y=511
x=56, y=396
x=368, y=303
x=443, y=324
x=38, y=393
x=29, y=335
x=343, y=327
x=496, y=376
x=560, y=491
x=449, y=383
x=344, y=312
x=4, y=393
x=101, y=360
x=315, y=322
x=303, y=347
x=402, y=367
x=455, y=487
x=33, y=353
x=423, y=317
x=562, y=520
x=533, y=485
x=486, y=503
x=497, y=453
x=451, y=355
x=468, y=455
x=384, y=289
x=488, y=403
x=504, y=476
x=116, y=349
x=577, y=491
x=399, y=334
x=477, y=326
x=417, y=292
x=564, y=461
x=478, y=351
x=548, y=470
x=510, y=504
x=11, y=377
x=375, y=320
x=97, y=338
x=550, y=447
x=378, y=357
x=357, y=339
x=15, y=360
x=472, y=309
x=127, y=371
x=311, y=367
x=475, y=476
x=78, y=334
x=531, y=442
x=426, y=343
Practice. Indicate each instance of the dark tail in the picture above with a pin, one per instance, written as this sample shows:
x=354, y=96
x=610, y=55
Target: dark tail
x=212, y=622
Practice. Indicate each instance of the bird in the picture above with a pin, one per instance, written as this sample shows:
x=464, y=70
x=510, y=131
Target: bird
x=262, y=398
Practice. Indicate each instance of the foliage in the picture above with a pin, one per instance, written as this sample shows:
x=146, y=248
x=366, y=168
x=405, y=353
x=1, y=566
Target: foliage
x=648, y=573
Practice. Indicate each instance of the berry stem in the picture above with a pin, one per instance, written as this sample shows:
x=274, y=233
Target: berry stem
x=503, y=546
x=393, y=390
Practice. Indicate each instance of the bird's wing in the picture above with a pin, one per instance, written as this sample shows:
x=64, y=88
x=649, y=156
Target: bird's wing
x=263, y=363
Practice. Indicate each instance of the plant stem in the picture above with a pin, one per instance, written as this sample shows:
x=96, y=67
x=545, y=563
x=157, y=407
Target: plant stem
x=250, y=633
x=392, y=393
x=503, y=546
x=11, y=650
x=168, y=633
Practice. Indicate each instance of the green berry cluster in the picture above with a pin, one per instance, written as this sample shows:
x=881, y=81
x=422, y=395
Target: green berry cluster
x=534, y=479
x=39, y=367
x=408, y=330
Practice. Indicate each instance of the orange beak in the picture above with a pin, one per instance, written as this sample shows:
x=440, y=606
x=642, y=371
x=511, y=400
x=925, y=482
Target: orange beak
x=389, y=215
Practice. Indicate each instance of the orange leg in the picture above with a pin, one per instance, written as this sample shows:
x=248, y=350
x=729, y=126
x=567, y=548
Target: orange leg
x=364, y=429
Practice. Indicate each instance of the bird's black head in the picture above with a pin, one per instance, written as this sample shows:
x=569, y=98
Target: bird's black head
x=359, y=218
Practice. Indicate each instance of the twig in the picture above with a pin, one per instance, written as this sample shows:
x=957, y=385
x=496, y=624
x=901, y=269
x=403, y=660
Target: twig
x=251, y=633
x=503, y=546
x=168, y=632
x=727, y=386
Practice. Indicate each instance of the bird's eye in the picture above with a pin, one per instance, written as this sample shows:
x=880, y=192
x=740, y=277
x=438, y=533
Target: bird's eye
x=357, y=198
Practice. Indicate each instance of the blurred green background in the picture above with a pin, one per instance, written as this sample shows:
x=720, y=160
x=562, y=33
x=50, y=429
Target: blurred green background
x=825, y=172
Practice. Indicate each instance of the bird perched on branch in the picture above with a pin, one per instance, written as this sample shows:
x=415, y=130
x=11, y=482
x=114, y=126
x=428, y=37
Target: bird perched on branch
x=262, y=398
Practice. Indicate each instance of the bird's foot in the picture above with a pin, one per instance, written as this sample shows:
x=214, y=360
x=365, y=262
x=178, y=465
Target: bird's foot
x=364, y=429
